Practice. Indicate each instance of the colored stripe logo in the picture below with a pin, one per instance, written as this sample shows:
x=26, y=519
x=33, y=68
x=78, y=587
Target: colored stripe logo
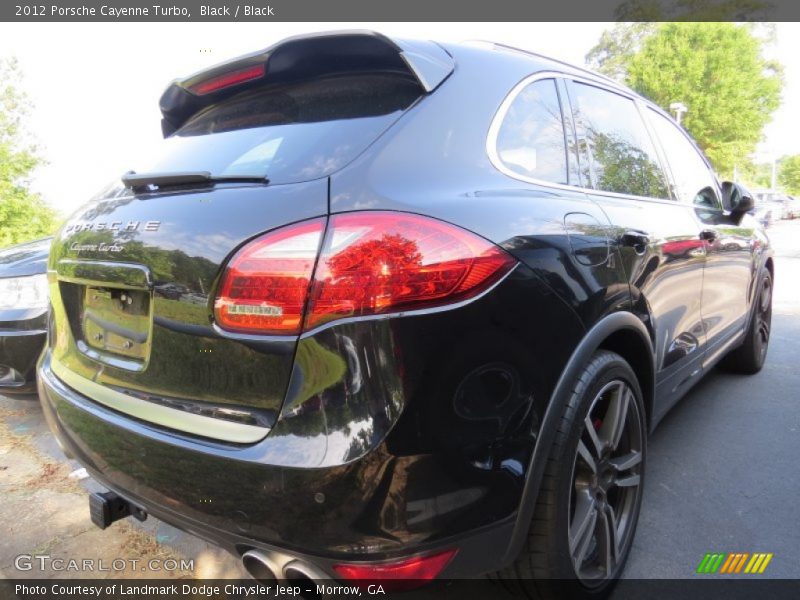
x=734, y=562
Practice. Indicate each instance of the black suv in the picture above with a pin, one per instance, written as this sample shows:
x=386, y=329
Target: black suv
x=390, y=309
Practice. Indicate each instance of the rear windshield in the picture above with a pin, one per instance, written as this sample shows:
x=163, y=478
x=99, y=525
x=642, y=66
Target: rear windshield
x=289, y=133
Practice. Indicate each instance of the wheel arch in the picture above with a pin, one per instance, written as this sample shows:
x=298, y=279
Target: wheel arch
x=621, y=332
x=638, y=352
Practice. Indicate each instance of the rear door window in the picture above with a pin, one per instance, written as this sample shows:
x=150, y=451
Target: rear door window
x=530, y=141
x=622, y=155
x=290, y=132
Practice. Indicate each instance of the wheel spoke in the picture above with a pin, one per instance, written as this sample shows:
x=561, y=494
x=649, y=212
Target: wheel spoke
x=608, y=539
x=582, y=529
x=587, y=457
x=766, y=296
x=764, y=329
x=584, y=507
x=628, y=480
x=626, y=461
x=597, y=445
x=616, y=415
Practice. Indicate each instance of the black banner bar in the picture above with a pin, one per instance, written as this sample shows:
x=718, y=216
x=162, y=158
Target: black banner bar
x=397, y=10
x=700, y=588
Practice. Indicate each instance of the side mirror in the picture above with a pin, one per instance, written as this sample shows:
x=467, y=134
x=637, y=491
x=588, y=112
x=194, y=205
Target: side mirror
x=736, y=198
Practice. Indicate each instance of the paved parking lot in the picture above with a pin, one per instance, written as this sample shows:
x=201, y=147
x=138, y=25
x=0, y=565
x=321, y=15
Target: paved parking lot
x=723, y=474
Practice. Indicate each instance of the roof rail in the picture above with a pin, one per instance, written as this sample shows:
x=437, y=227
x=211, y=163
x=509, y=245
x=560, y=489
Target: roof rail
x=595, y=74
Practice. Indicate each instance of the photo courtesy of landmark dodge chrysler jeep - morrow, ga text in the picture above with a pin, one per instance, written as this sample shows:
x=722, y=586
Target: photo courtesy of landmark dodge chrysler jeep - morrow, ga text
x=388, y=309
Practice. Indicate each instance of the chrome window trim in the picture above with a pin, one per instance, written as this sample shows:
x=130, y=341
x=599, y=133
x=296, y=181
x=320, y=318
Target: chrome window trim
x=497, y=123
x=703, y=158
x=500, y=114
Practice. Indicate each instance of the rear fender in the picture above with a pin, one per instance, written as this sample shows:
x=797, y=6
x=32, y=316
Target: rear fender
x=621, y=321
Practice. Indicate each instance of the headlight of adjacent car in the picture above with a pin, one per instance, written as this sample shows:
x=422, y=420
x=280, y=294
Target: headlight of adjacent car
x=24, y=292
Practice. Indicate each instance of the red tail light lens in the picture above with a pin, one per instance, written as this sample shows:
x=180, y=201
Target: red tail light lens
x=380, y=262
x=371, y=263
x=415, y=571
x=265, y=285
x=228, y=80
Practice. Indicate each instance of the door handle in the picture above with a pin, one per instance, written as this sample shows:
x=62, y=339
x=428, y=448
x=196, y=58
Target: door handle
x=708, y=235
x=636, y=239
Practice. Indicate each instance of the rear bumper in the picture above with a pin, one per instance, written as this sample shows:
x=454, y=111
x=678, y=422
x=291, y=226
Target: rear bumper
x=321, y=516
x=396, y=437
x=21, y=343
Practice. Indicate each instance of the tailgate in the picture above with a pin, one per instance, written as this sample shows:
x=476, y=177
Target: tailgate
x=132, y=281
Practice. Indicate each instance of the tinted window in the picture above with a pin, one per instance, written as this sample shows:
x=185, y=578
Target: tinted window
x=531, y=138
x=692, y=180
x=623, y=159
x=292, y=132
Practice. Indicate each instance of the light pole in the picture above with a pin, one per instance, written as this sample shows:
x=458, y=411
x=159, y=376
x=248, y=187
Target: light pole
x=679, y=108
x=774, y=172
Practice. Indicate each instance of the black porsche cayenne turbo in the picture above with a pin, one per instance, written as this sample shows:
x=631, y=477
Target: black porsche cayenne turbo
x=388, y=309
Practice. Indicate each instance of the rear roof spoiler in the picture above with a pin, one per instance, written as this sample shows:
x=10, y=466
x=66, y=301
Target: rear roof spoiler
x=304, y=57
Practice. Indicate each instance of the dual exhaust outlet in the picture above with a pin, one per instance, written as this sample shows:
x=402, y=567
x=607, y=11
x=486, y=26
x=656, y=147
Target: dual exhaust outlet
x=268, y=569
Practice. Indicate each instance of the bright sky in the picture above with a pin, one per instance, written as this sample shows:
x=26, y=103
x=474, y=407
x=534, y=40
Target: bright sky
x=96, y=86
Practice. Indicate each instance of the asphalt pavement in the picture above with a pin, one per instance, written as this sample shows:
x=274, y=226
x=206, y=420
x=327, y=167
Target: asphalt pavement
x=723, y=472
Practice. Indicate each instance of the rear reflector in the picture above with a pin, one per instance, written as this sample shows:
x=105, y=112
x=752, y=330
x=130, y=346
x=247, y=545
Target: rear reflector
x=265, y=285
x=228, y=80
x=415, y=571
x=370, y=263
x=381, y=262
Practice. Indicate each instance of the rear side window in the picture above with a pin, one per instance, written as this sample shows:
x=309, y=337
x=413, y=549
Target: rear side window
x=530, y=141
x=692, y=181
x=622, y=156
x=289, y=132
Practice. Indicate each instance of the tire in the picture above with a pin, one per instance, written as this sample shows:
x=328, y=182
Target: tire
x=749, y=358
x=546, y=567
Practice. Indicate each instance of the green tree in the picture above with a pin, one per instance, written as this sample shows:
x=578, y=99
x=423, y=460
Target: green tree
x=612, y=53
x=694, y=10
x=716, y=69
x=756, y=175
x=789, y=174
x=23, y=214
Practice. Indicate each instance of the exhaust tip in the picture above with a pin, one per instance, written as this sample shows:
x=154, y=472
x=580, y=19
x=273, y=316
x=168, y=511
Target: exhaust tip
x=302, y=573
x=259, y=566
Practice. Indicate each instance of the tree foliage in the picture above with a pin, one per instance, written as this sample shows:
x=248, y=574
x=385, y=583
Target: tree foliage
x=789, y=174
x=755, y=175
x=23, y=214
x=715, y=69
x=694, y=10
x=612, y=53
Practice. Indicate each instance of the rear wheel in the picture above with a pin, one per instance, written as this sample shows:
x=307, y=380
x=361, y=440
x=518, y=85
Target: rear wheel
x=588, y=505
x=750, y=356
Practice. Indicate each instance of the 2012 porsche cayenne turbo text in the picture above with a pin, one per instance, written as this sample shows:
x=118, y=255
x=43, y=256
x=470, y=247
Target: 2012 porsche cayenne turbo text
x=154, y=10
x=105, y=10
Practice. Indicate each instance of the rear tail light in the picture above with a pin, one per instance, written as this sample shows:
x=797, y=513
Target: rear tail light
x=265, y=285
x=413, y=571
x=370, y=263
x=381, y=262
x=229, y=79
